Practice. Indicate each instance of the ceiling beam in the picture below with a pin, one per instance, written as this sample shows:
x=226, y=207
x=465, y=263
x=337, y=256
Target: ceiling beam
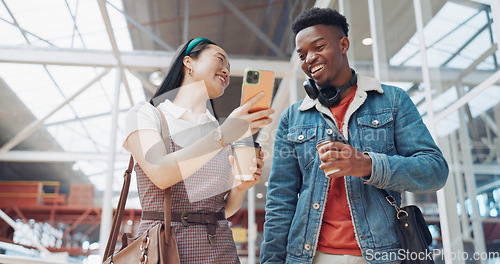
x=491, y=80
x=54, y=156
x=159, y=60
x=136, y=60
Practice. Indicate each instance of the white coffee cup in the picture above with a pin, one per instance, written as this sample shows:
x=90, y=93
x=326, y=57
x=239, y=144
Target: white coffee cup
x=325, y=141
x=244, y=152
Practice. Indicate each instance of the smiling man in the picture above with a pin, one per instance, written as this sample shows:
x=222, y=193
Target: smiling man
x=382, y=143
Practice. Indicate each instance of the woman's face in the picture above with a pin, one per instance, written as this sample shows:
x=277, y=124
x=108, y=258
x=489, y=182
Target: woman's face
x=212, y=66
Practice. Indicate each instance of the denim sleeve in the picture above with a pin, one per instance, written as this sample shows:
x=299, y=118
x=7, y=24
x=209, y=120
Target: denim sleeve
x=283, y=188
x=418, y=165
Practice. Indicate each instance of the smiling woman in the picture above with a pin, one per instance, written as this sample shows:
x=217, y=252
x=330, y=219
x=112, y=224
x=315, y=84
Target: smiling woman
x=192, y=160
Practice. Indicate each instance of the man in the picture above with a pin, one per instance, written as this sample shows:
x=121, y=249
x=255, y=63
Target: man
x=344, y=217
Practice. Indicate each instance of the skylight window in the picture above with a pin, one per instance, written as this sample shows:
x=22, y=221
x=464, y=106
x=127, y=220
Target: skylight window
x=454, y=38
x=83, y=124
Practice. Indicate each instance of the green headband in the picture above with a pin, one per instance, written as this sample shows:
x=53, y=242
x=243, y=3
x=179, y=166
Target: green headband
x=195, y=42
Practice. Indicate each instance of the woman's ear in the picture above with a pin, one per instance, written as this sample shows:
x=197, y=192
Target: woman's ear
x=188, y=62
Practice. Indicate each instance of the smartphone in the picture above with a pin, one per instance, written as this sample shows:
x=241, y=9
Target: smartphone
x=256, y=81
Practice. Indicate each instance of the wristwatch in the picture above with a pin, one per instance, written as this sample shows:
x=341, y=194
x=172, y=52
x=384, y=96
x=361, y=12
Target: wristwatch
x=217, y=136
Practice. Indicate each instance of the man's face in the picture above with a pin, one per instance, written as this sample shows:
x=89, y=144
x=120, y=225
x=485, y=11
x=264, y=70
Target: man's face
x=322, y=49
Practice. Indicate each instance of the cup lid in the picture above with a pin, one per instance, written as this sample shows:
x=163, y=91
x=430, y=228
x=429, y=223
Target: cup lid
x=331, y=139
x=246, y=143
x=339, y=138
x=325, y=140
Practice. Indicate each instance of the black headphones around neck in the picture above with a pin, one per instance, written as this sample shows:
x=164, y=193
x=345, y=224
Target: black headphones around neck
x=328, y=96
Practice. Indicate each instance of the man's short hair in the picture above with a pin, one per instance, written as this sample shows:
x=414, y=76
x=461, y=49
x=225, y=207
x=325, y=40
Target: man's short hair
x=315, y=16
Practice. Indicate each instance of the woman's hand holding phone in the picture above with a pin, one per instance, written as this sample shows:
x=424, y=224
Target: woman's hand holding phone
x=241, y=123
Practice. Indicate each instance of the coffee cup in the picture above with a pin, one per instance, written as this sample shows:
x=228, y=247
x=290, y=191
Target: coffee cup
x=244, y=152
x=325, y=141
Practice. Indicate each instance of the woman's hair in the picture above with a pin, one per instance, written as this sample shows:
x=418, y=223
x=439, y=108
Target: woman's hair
x=319, y=16
x=175, y=74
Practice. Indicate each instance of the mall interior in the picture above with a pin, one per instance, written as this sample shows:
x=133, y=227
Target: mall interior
x=70, y=70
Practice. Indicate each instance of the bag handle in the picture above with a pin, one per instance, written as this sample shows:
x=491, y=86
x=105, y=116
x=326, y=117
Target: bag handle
x=118, y=217
x=167, y=203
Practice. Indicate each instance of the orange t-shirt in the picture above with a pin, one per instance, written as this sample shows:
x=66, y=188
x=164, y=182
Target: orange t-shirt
x=337, y=232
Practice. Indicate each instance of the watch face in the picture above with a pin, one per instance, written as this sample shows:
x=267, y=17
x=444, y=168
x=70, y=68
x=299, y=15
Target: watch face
x=217, y=135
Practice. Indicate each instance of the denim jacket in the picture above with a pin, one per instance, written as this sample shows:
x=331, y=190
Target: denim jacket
x=382, y=122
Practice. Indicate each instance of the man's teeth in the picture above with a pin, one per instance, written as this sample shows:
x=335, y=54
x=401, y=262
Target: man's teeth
x=316, y=68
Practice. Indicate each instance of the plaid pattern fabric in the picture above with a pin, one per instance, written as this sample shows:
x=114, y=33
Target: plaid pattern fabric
x=203, y=191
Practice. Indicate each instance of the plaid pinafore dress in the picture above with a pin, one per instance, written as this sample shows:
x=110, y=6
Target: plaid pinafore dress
x=204, y=191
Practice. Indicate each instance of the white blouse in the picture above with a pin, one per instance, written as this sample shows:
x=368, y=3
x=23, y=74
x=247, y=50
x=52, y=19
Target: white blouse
x=182, y=124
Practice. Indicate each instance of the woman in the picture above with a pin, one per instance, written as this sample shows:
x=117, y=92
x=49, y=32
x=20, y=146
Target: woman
x=198, y=167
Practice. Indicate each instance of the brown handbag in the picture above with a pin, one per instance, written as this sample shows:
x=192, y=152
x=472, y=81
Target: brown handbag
x=156, y=245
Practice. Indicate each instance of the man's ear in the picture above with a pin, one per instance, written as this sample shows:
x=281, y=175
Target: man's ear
x=344, y=45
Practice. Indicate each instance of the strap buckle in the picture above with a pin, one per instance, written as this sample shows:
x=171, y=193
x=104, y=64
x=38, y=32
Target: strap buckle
x=399, y=211
x=184, y=219
x=391, y=200
x=211, y=238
